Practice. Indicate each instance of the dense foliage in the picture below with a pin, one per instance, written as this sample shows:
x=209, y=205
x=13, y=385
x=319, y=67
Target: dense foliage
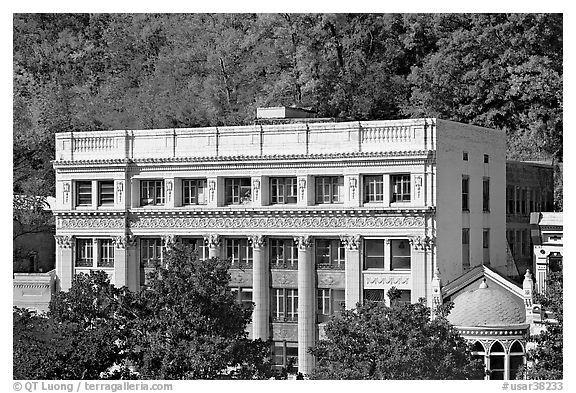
x=185, y=325
x=546, y=360
x=78, y=72
x=375, y=341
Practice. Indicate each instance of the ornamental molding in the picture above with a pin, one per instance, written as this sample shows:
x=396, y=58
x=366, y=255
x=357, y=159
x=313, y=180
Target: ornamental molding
x=41, y=286
x=284, y=279
x=331, y=280
x=475, y=333
x=351, y=242
x=239, y=278
x=264, y=222
x=63, y=241
x=373, y=280
x=105, y=221
x=257, y=241
x=222, y=161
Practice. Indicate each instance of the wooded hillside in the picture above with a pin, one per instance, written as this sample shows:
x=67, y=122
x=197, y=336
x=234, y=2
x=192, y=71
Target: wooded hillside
x=79, y=72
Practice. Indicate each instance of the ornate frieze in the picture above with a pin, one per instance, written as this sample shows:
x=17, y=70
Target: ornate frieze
x=63, y=241
x=303, y=242
x=331, y=279
x=265, y=222
x=351, y=242
x=257, y=241
x=284, y=279
x=284, y=331
x=96, y=222
x=239, y=278
x=380, y=280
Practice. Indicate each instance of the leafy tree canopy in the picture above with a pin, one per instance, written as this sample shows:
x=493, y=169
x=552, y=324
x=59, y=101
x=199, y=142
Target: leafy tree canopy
x=375, y=341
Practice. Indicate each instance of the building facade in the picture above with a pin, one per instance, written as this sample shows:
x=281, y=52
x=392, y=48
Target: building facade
x=315, y=216
x=529, y=188
x=547, y=233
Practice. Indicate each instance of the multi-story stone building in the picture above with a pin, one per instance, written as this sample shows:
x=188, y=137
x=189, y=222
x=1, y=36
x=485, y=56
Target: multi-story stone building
x=315, y=216
x=529, y=188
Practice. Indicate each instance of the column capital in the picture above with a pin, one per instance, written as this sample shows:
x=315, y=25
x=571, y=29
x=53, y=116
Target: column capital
x=212, y=240
x=422, y=242
x=120, y=242
x=303, y=242
x=64, y=241
x=131, y=240
x=169, y=240
x=257, y=241
x=351, y=242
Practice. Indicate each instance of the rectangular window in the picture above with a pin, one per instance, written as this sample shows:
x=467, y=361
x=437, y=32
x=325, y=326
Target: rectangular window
x=151, y=192
x=330, y=254
x=330, y=301
x=486, y=194
x=466, y=248
x=283, y=254
x=523, y=202
x=285, y=355
x=532, y=200
x=373, y=254
x=284, y=304
x=105, y=193
x=486, y=246
x=465, y=156
x=465, y=193
x=238, y=191
x=486, y=158
x=83, y=193
x=330, y=189
x=283, y=190
x=150, y=252
x=243, y=296
x=399, y=254
x=194, y=192
x=374, y=295
x=405, y=297
x=84, y=252
x=400, y=185
x=198, y=245
x=373, y=188
x=517, y=196
x=106, y=253
x=510, y=199
x=239, y=252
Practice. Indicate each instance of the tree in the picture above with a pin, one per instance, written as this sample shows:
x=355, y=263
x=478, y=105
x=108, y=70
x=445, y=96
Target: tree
x=375, y=341
x=189, y=325
x=546, y=360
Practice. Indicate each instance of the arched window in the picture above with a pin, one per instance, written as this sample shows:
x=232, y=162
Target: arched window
x=516, y=360
x=478, y=352
x=497, y=357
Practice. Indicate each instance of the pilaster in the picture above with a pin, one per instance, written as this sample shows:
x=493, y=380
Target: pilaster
x=352, y=191
x=133, y=263
x=306, y=304
x=305, y=185
x=64, y=261
x=120, y=261
x=169, y=192
x=260, y=289
x=353, y=270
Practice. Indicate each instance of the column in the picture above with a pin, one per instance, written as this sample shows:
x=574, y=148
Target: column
x=306, y=304
x=64, y=261
x=353, y=270
x=260, y=289
x=213, y=242
x=120, y=262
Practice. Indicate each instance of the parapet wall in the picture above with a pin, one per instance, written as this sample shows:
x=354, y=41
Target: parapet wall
x=255, y=140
